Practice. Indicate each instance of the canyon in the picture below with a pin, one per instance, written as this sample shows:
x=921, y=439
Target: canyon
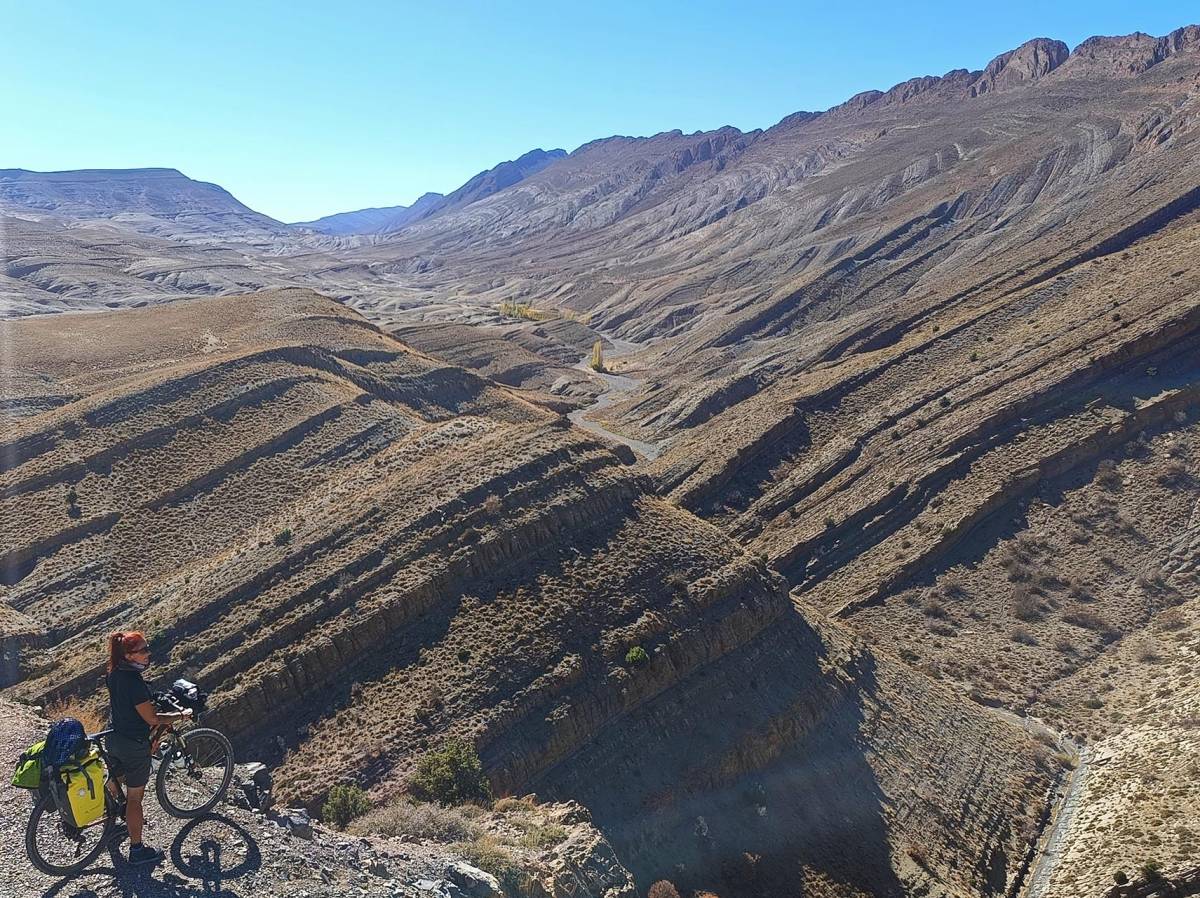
x=890, y=474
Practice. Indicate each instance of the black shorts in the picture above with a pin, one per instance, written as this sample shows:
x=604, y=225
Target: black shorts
x=128, y=758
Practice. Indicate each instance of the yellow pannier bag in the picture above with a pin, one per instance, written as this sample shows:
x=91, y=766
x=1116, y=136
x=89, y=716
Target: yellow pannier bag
x=81, y=790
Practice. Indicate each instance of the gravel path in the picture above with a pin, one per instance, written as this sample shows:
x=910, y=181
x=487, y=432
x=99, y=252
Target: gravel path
x=233, y=854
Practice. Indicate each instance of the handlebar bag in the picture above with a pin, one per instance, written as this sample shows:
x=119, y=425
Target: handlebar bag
x=28, y=774
x=81, y=790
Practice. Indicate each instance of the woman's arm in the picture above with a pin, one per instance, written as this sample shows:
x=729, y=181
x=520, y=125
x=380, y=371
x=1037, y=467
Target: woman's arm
x=154, y=719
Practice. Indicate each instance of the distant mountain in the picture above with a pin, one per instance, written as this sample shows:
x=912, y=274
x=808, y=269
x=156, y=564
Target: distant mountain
x=374, y=220
x=492, y=181
x=160, y=201
x=389, y=219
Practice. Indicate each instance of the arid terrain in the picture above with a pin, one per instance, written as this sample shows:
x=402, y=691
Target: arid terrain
x=893, y=477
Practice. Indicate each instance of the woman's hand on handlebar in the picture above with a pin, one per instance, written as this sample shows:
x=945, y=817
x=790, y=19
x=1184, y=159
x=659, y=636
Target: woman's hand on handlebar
x=170, y=718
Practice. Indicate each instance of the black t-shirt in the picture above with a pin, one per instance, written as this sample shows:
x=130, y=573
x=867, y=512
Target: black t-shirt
x=127, y=690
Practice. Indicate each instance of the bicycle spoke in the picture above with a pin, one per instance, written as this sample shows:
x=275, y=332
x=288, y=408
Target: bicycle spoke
x=195, y=772
x=61, y=848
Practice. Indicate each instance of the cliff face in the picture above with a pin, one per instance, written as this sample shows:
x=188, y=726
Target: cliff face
x=804, y=758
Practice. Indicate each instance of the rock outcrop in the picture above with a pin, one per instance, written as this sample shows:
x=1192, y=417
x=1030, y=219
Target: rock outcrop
x=1028, y=62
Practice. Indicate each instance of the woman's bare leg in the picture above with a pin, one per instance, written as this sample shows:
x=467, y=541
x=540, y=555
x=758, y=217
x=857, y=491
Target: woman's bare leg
x=133, y=813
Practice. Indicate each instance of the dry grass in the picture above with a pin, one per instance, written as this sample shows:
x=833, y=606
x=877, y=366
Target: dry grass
x=509, y=804
x=420, y=820
x=70, y=706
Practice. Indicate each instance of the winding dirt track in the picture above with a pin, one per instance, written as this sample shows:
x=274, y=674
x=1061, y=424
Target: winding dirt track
x=618, y=385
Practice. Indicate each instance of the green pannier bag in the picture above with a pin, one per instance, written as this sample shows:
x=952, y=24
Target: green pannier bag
x=29, y=767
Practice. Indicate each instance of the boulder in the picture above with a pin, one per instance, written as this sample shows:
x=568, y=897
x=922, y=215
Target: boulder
x=297, y=822
x=474, y=882
x=584, y=866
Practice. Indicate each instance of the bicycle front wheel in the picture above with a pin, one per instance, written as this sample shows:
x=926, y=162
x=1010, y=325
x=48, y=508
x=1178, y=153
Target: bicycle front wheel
x=195, y=773
x=58, y=849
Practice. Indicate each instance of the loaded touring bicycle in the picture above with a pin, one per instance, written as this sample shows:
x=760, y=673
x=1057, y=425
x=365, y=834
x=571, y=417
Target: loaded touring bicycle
x=74, y=814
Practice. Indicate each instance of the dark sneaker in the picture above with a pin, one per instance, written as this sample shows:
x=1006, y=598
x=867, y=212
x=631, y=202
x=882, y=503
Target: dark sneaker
x=144, y=854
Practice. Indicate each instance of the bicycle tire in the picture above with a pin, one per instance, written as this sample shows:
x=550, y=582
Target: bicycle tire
x=45, y=804
x=175, y=765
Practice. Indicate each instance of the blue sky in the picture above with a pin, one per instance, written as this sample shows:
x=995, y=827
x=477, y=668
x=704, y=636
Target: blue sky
x=303, y=109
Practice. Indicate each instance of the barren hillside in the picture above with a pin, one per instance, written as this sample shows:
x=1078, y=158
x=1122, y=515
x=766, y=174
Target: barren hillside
x=922, y=373
x=364, y=551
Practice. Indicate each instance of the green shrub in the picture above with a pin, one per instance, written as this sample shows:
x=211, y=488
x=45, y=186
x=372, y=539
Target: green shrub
x=344, y=804
x=283, y=537
x=451, y=774
x=1151, y=871
x=636, y=656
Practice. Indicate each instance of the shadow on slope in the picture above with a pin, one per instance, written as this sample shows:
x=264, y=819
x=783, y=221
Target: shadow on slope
x=749, y=778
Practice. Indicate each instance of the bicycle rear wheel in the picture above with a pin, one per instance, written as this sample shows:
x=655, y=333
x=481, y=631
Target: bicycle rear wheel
x=55, y=847
x=195, y=773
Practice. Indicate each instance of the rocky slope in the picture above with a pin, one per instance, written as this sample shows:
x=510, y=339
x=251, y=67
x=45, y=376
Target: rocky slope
x=363, y=552
x=242, y=852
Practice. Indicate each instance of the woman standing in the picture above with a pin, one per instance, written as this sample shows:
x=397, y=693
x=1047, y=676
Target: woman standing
x=132, y=715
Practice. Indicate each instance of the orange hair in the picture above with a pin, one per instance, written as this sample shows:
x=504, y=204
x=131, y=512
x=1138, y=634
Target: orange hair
x=119, y=644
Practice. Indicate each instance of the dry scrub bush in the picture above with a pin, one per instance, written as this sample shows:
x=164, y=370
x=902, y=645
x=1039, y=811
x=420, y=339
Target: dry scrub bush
x=1023, y=636
x=662, y=889
x=953, y=587
x=1174, y=473
x=1089, y=620
x=1064, y=645
x=1108, y=476
x=542, y=836
x=420, y=820
x=508, y=805
x=934, y=608
x=1171, y=619
x=490, y=856
x=1147, y=653
x=1025, y=604
x=70, y=706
